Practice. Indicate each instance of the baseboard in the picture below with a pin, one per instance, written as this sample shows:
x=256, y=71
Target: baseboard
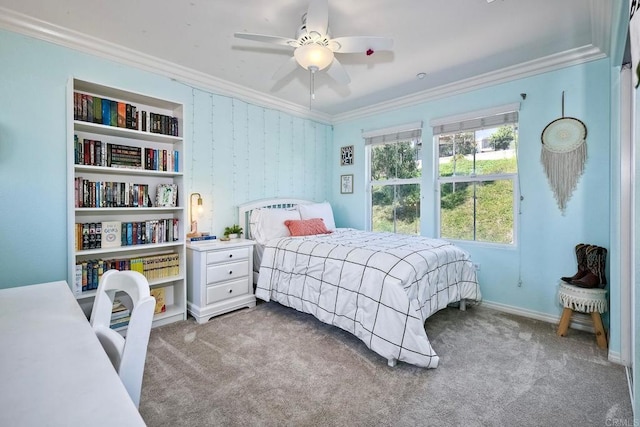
x=614, y=357
x=579, y=321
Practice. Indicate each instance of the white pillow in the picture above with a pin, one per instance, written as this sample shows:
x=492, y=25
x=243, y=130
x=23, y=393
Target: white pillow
x=318, y=210
x=267, y=224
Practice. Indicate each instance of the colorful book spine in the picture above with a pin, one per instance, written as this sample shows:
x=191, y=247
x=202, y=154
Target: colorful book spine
x=202, y=238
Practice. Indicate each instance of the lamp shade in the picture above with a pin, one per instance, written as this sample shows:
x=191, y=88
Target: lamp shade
x=313, y=55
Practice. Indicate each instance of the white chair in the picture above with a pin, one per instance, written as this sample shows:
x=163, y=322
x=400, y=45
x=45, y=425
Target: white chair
x=127, y=355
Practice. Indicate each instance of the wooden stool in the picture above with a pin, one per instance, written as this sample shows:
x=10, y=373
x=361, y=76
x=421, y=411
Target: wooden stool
x=586, y=300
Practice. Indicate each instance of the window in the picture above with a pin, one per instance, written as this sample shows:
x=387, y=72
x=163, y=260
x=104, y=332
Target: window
x=395, y=172
x=477, y=176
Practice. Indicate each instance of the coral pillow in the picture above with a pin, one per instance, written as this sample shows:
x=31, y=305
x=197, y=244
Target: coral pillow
x=306, y=227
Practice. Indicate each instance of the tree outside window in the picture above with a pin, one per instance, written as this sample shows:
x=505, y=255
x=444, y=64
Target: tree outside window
x=396, y=169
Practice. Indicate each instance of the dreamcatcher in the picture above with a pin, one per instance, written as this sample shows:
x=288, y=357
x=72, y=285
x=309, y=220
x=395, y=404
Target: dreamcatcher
x=564, y=153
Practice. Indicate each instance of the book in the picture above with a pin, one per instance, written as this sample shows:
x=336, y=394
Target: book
x=106, y=111
x=119, y=310
x=116, y=315
x=201, y=238
x=97, y=109
x=114, y=114
x=122, y=114
x=159, y=295
x=111, y=234
x=77, y=288
x=98, y=235
x=119, y=323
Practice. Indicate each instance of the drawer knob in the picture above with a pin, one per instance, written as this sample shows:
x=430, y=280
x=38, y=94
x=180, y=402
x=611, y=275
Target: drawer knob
x=230, y=290
x=230, y=272
x=230, y=255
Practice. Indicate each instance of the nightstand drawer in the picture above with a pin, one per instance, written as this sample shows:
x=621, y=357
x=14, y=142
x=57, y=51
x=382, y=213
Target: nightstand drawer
x=226, y=290
x=228, y=271
x=227, y=255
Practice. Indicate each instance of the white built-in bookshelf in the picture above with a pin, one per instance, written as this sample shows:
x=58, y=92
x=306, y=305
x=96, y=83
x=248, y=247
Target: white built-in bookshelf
x=116, y=166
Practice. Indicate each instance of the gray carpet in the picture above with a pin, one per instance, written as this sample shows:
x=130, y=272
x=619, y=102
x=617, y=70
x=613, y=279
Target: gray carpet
x=273, y=366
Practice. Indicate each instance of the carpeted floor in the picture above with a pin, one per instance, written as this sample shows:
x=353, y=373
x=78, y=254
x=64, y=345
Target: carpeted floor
x=273, y=366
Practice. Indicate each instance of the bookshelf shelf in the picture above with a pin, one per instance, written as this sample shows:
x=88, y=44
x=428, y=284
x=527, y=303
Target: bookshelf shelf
x=118, y=161
x=105, y=170
x=156, y=283
x=120, y=211
x=129, y=249
x=82, y=126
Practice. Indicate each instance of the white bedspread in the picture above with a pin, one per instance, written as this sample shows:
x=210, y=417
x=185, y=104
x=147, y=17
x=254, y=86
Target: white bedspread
x=381, y=287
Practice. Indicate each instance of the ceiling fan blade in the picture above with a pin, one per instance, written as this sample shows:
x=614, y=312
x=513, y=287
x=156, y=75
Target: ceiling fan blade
x=360, y=44
x=338, y=73
x=318, y=17
x=286, y=68
x=284, y=41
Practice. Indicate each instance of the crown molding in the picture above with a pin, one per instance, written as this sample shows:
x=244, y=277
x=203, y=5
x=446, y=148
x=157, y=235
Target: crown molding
x=538, y=66
x=42, y=30
x=29, y=26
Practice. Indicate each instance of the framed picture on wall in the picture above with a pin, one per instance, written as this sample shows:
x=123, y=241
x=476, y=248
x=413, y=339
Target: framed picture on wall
x=346, y=155
x=346, y=184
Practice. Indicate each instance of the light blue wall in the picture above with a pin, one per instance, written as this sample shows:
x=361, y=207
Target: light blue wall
x=238, y=152
x=242, y=152
x=547, y=238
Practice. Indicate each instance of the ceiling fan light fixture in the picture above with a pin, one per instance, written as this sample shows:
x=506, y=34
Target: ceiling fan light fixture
x=313, y=55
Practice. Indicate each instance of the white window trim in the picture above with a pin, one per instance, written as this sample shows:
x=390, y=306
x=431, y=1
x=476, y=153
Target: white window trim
x=379, y=132
x=475, y=178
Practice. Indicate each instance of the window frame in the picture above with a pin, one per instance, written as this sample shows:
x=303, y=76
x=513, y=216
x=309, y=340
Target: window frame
x=477, y=117
x=379, y=135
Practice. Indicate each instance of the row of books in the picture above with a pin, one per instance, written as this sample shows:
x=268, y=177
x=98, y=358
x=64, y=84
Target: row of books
x=93, y=109
x=113, y=234
x=162, y=160
x=109, y=194
x=97, y=153
x=153, y=267
x=121, y=315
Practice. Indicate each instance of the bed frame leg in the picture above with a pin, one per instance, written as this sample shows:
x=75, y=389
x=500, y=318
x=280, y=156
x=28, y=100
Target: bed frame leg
x=463, y=304
x=392, y=362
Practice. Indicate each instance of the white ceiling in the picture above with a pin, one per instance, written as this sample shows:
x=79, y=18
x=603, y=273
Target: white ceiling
x=455, y=42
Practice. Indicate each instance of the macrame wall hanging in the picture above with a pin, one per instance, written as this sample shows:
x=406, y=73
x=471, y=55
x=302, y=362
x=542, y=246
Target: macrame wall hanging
x=564, y=152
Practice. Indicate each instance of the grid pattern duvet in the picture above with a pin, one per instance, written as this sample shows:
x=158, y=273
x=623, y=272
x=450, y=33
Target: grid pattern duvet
x=381, y=287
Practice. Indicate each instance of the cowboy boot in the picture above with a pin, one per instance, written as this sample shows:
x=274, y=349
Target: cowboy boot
x=581, y=257
x=593, y=276
x=602, y=261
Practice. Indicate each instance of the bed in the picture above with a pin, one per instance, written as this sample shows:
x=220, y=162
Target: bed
x=380, y=287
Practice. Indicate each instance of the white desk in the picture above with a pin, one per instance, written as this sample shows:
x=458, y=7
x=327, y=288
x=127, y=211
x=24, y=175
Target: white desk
x=53, y=370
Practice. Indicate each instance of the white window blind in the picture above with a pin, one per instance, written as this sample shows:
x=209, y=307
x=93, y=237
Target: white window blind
x=406, y=132
x=475, y=121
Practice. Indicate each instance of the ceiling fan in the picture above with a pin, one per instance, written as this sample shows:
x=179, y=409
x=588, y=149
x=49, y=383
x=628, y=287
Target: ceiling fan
x=314, y=48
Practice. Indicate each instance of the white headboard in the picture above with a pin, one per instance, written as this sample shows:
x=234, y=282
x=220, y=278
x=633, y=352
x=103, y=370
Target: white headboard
x=244, y=210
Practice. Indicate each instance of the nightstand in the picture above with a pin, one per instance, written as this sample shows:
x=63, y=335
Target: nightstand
x=219, y=277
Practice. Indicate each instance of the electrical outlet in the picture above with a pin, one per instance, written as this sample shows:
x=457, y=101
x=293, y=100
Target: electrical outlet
x=476, y=266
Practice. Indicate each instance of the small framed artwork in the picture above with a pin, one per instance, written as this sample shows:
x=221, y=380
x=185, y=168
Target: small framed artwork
x=166, y=195
x=346, y=184
x=346, y=155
